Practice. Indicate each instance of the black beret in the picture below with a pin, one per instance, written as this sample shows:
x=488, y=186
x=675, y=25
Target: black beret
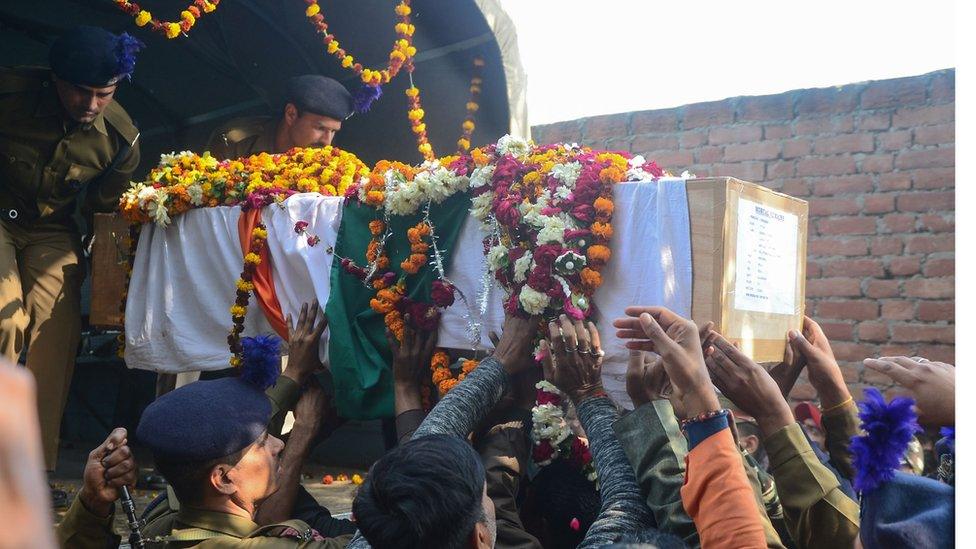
x=92, y=56
x=320, y=95
x=205, y=420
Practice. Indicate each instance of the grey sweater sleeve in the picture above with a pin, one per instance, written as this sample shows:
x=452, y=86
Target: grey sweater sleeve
x=468, y=403
x=460, y=411
x=622, y=509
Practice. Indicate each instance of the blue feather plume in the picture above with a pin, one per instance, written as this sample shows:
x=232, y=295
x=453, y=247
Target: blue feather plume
x=126, y=49
x=888, y=428
x=262, y=360
x=949, y=437
x=364, y=97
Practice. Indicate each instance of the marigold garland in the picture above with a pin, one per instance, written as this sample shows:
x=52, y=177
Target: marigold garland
x=245, y=286
x=403, y=49
x=467, y=127
x=169, y=29
x=416, y=116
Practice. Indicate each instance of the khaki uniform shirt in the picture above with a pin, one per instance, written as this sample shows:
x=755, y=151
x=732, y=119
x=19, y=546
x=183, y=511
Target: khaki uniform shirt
x=46, y=160
x=242, y=137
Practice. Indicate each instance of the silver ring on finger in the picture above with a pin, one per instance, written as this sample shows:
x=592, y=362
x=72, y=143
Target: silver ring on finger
x=597, y=352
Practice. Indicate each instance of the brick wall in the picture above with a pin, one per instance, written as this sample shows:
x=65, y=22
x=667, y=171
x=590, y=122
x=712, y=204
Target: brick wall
x=876, y=162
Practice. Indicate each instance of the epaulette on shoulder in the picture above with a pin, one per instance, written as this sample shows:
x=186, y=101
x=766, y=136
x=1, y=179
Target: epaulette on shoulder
x=238, y=130
x=116, y=116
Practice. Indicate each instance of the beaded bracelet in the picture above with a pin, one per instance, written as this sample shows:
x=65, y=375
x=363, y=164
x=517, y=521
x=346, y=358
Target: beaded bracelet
x=703, y=417
x=837, y=406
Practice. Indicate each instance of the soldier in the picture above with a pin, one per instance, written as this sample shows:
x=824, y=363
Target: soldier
x=60, y=133
x=314, y=109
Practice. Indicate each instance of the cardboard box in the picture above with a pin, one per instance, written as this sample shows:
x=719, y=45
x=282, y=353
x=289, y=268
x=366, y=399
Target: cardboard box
x=109, y=256
x=749, y=249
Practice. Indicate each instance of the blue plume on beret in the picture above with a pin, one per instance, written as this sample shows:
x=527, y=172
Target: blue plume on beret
x=888, y=428
x=364, y=97
x=262, y=360
x=126, y=48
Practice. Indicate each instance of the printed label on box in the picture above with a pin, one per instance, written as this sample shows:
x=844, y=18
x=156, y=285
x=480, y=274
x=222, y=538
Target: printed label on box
x=765, y=267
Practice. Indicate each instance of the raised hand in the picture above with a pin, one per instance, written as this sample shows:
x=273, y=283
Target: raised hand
x=574, y=358
x=824, y=373
x=109, y=468
x=678, y=341
x=303, y=342
x=519, y=336
x=931, y=384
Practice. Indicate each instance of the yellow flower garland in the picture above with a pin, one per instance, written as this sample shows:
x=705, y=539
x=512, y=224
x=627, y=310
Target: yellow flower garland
x=170, y=29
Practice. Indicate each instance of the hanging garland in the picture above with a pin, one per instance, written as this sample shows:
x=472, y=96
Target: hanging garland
x=245, y=286
x=467, y=127
x=401, y=54
x=169, y=29
x=132, y=245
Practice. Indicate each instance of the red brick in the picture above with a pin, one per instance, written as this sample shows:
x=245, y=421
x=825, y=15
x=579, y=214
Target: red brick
x=560, y=132
x=838, y=331
x=851, y=372
x=926, y=201
x=934, y=178
x=852, y=351
x=830, y=125
x=935, y=135
x=847, y=225
x=827, y=100
x=923, y=333
x=713, y=113
x=911, y=117
x=931, y=288
x=938, y=353
x=873, y=331
x=873, y=121
x=833, y=206
x=834, y=287
x=926, y=158
x=854, y=267
x=896, y=350
x=690, y=140
x=793, y=148
x=881, y=288
x=876, y=379
x=943, y=87
x=895, y=141
x=926, y=244
x=602, y=127
x=777, y=131
x=877, y=163
x=848, y=143
x=672, y=160
x=940, y=266
x=937, y=223
x=892, y=309
x=654, y=121
x=619, y=143
x=838, y=246
x=654, y=143
x=859, y=309
x=709, y=155
x=894, y=181
x=898, y=223
x=734, y=134
x=813, y=269
x=879, y=203
x=905, y=265
x=766, y=107
x=934, y=311
x=887, y=245
x=778, y=170
x=763, y=150
x=831, y=165
x=749, y=171
x=796, y=187
x=896, y=92
x=842, y=185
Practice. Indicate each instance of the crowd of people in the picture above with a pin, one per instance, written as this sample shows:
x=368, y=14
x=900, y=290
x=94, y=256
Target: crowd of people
x=711, y=454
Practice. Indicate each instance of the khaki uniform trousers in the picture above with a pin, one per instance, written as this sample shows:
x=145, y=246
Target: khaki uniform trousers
x=40, y=307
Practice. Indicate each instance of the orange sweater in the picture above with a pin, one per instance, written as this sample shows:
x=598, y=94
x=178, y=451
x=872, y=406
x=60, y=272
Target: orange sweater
x=717, y=495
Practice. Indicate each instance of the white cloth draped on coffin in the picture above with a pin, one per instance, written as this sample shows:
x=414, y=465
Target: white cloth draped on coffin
x=650, y=265
x=177, y=317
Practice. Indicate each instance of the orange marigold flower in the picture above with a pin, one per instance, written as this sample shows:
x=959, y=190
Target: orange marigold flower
x=591, y=278
x=612, y=174
x=598, y=254
x=603, y=205
x=376, y=227
x=602, y=230
x=440, y=360
x=374, y=198
x=380, y=305
x=440, y=374
x=379, y=284
x=383, y=262
x=468, y=366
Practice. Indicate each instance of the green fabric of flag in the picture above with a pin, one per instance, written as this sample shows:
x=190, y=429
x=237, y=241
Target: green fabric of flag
x=359, y=355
